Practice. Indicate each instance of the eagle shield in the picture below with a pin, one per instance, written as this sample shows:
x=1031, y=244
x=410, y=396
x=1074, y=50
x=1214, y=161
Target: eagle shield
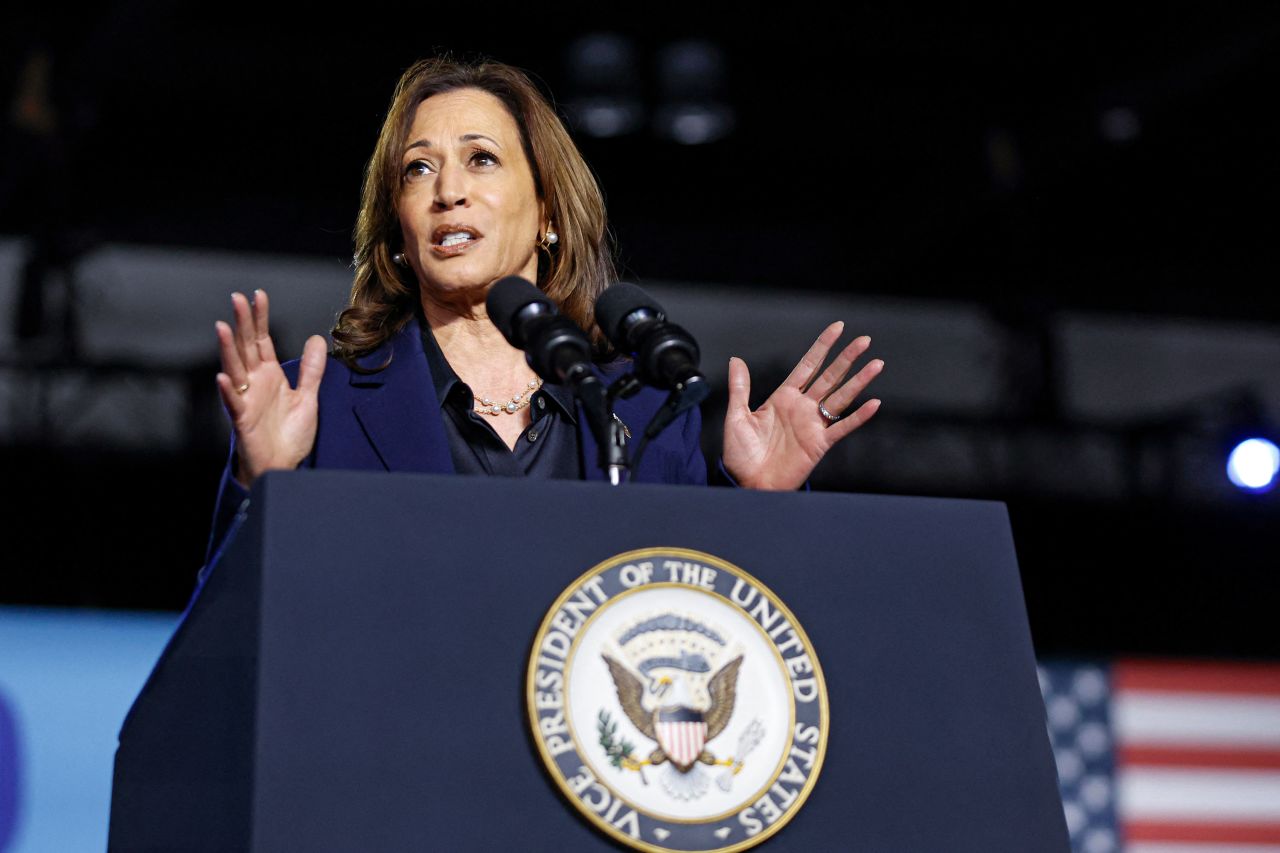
x=682, y=732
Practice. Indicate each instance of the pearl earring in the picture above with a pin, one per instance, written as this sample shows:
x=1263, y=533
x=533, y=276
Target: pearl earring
x=553, y=237
x=398, y=259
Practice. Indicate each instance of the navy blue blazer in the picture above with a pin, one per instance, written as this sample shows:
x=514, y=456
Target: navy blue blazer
x=391, y=421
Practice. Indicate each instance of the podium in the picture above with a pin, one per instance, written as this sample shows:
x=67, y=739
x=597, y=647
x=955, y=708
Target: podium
x=351, y=675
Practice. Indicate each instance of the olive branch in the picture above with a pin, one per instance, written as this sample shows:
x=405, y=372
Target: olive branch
x=619, y=751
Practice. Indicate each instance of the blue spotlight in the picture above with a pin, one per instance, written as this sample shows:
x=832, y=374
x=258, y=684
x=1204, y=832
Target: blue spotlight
x=1253, y=464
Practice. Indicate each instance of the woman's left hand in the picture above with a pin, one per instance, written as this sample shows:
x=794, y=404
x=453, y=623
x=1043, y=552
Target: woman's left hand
x=778, y=445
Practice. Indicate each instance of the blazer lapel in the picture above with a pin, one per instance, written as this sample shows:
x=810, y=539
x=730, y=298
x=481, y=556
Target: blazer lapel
x=400, y=414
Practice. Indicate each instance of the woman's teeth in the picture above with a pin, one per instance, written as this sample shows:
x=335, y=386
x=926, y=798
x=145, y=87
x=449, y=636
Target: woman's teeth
x=455, y=239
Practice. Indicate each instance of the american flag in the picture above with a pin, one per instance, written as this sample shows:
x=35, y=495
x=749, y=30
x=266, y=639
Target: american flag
x=1167, y=756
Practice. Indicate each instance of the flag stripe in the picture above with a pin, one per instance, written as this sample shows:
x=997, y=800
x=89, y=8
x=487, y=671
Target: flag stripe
x=1197, y=677
x=1240, y=758
x=1235, y=796
x=1205, y=719
x=683, y=741
x=1171, y=757
x=1232, y=833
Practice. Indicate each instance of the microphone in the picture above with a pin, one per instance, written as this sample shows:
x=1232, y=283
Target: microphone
x=555, y=347
x=666, y=356
x=560, y=353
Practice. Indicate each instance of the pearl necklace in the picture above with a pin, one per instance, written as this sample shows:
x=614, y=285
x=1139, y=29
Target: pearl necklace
x=518, y=402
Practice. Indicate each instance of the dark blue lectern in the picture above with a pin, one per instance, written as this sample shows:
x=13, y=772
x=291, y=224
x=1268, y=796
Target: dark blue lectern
x=351, y=675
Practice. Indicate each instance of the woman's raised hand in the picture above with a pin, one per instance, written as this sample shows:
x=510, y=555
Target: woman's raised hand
x=275, y=424
x=778, y=445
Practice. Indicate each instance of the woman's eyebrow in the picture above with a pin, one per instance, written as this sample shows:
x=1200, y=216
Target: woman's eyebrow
x=472, y=137
x=466, y=137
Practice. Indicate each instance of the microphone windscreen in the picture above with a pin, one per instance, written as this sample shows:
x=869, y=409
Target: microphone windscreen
x=507, y=297
x=616, y=303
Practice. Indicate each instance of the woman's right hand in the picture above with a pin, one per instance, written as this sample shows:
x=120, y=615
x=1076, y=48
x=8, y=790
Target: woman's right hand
x=275, y=424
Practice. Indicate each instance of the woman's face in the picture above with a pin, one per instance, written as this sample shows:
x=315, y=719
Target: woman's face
x=468, y=209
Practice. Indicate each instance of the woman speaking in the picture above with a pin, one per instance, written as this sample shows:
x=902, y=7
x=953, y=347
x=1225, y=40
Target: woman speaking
x=473, y=179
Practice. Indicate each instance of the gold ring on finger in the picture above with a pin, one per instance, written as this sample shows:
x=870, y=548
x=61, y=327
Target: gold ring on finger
x=242, y=388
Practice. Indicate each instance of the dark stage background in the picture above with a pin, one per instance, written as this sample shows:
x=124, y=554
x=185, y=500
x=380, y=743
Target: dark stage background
x=1098, y=191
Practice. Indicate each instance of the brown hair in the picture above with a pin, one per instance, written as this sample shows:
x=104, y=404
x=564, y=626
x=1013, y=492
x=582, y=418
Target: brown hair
x=573, y=272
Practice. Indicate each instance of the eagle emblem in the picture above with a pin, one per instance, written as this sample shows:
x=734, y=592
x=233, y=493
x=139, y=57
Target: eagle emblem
x=673, y=694
x=680, y=730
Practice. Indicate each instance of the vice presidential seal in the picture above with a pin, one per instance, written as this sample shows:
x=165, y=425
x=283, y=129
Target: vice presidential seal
x=677, y=702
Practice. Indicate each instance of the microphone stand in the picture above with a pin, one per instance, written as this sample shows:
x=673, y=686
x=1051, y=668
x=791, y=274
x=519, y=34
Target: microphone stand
x=606, y=428
x=609, y=431
x=613, y=458
x=598, y=408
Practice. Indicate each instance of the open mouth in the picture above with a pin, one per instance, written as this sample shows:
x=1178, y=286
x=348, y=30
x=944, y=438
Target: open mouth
x=451, y=239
